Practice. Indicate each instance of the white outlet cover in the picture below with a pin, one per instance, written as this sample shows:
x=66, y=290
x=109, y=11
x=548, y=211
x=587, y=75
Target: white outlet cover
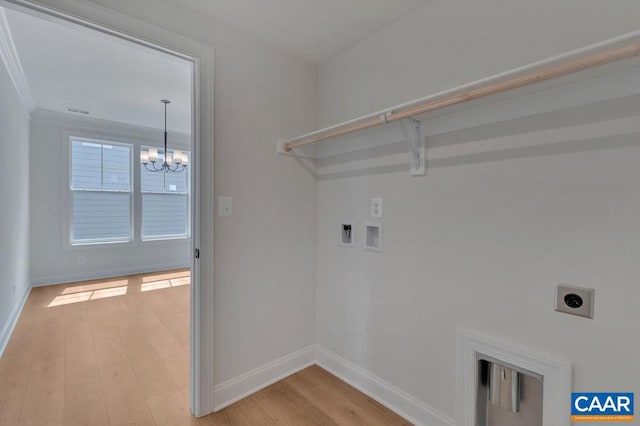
x=376, y=207
x=225, y=206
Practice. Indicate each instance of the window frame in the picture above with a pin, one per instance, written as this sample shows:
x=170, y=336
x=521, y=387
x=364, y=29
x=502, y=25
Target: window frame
x=136, y=138
x=187, y=234
x=70, y=138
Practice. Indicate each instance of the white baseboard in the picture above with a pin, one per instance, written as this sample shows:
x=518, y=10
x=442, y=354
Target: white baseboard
x=12, y=321
x=233, y=390
x=385, y=393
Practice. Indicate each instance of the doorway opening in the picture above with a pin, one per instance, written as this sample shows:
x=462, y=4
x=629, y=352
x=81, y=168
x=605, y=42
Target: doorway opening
x=118, y=233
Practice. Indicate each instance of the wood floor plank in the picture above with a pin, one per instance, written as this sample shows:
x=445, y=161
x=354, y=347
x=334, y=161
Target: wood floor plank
x=144, y=315
x=173, y=355
x=79, y=346
x=119, y=382
x=24, y=339
x=343, y=403
x=148, y=367
x=44, y=398
x=14, y=376
x=287, y=406
x=171, y=409
x=243, y=412
x=130, y=413
x=178, y=324
x=83, y=399
x=122, y=318
x=51, y=340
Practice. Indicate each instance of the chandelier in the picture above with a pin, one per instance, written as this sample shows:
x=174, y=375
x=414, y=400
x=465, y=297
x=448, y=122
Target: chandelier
x=176, y=162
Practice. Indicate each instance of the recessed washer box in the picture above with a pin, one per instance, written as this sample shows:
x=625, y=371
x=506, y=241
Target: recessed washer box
x=575, y=300
x=373, y=237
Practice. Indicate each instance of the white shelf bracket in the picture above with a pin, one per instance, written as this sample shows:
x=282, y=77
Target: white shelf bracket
x=411, y=130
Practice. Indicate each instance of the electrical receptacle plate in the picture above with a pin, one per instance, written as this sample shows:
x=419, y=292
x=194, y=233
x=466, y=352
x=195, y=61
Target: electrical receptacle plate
x=575, y=300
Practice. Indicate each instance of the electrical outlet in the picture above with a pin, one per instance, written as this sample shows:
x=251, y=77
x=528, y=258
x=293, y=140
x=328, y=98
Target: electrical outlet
x=575, y=300
x=14, y=288
x=81, y=260
x=376, y=207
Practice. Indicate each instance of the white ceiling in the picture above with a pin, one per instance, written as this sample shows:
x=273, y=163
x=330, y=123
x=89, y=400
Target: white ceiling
x=314, y=29
x=67, y=66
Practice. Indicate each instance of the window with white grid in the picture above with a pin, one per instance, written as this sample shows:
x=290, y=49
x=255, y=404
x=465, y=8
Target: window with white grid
x=101, y=192
x=165, y=202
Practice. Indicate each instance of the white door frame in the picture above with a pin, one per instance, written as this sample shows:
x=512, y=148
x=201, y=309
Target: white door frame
x=128, y=28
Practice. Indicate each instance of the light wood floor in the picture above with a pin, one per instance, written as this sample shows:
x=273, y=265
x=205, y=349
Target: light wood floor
x=116, y=352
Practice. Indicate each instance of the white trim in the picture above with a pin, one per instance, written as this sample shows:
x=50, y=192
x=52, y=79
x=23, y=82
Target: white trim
x=202, y=296
x=93, y=16
x=556, y=382
x=12, y=321
x=110, y=273
x=68, y=198
x=110, y=132
x=10, y=57
x=108, y=128
x=385, y=393
x=233, y=390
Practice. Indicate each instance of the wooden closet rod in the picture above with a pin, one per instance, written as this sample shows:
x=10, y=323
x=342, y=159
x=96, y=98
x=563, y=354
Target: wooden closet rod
x=582, y=64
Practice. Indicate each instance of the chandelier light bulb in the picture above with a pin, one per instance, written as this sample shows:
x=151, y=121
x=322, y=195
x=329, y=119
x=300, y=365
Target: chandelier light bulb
x=178, y=159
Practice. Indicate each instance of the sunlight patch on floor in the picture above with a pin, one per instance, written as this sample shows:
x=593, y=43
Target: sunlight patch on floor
x=109, y=292
x=147, y=278
x=157, y=285
x=119, y=287
x=98, y=286
x=84, y=296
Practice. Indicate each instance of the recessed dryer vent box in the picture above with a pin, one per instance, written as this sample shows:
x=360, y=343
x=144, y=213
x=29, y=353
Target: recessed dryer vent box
x=346, y=235
x=373, y=237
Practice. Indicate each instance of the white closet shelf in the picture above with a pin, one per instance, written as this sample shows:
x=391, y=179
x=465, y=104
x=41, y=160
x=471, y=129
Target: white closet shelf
x=593, y=56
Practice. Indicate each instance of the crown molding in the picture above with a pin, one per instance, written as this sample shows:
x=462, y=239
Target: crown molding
x=10, y=57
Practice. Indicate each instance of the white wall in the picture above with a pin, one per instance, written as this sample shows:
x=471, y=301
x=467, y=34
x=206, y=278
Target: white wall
x=265, y=252
x=451, y=42
x=53, y=258
x=505, y=211
x=14, y=208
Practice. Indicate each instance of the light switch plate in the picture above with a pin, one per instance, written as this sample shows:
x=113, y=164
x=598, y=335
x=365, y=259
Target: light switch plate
x=575, y=300
x=225, y=206
x=376, y=207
